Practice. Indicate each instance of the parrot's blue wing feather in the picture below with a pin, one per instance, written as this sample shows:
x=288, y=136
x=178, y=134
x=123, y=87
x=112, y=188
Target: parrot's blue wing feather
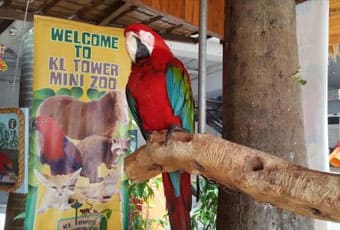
x=179, y=94
x=134, y=111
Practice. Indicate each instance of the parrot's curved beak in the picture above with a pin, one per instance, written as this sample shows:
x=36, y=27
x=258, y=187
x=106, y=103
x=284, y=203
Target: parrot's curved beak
x=131, y=45
x=136, y=47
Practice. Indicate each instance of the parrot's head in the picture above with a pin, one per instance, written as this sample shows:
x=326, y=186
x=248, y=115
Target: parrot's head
x=46, y=125
x=142, y=42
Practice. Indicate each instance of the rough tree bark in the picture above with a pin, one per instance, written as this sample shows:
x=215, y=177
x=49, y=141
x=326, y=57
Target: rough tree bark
x=261, y=175
x=262, y=104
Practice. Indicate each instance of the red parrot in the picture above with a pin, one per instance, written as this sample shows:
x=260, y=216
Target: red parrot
x=160, y=97
x=56, y=149
x=6, y=164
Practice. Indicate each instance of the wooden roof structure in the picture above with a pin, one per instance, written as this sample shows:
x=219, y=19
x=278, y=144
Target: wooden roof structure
x=176, y=20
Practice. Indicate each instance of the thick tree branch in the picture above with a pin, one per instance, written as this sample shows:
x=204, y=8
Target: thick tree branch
x=262, y=176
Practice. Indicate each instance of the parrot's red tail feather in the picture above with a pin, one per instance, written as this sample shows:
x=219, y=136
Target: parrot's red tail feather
x=180, y=218
x=178, y=207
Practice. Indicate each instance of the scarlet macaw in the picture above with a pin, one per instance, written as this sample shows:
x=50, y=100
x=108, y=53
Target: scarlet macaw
x=56, y=150
x=159, y=96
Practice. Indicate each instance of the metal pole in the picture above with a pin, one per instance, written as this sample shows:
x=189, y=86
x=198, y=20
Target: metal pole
x=202, y=66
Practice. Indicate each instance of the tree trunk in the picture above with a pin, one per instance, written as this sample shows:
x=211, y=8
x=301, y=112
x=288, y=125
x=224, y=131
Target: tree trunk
x=262, y=102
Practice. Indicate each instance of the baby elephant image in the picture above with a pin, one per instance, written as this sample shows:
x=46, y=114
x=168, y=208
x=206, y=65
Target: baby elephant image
x=96, y=150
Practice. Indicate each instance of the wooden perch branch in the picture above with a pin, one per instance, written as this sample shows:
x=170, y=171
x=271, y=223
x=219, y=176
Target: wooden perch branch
x=260, y=175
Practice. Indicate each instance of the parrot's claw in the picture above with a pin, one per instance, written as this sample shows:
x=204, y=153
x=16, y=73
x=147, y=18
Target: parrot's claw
x=171, y=130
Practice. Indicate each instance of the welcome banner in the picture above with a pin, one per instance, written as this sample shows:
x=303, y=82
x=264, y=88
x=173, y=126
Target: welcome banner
x=81, y=128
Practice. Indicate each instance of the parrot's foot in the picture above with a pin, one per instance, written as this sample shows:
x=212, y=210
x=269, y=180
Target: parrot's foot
x=171, y=130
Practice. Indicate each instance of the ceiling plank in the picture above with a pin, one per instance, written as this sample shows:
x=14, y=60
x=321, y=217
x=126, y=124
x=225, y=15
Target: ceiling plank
x=153, y=19
x=49, y=5
x=125, y=8
x=13, y=14
x=189, y=6
x=7, y=2
x=299, y=1
x=179, y=38
x=83, y=11
x=175, y=27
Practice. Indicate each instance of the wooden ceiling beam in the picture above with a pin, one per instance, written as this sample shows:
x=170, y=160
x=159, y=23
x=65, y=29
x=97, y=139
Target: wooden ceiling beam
x=153, y=19
x=299, y=1
x=49, y=5
x=179, y=38
x=83, y=11
x=120, y=11
x=170, y=18
x=13, y=14
x=172, y=28
x=7, y=3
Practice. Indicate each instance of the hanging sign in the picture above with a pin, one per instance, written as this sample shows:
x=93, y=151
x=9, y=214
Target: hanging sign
x=82, y=127
x=12, y=125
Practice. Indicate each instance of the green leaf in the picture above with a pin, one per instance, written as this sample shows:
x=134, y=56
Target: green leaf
x=41, y=94
x=143, y=191
x=20, y=216
x=103, y=223
x=107, y=212
x=101, y=93
x=34, y=163
x=35, y=105
x=64, y=91
x=302, y=82
x=76, y=92
x=297, y=77
x=92, y=94
x=204, y=213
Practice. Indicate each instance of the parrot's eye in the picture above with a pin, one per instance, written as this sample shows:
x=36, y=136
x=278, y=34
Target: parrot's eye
x=148, y=39
x=114, y=141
